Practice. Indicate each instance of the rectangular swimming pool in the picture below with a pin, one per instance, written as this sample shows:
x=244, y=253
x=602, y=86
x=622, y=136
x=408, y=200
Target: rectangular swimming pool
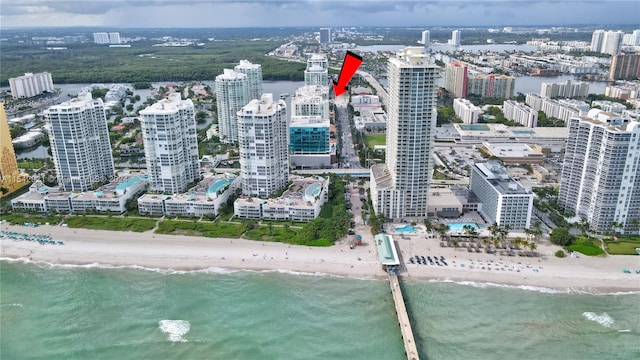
x=459, y=227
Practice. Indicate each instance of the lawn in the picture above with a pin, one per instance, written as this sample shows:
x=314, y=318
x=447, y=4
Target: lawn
x=589, y=247
x=110, y=223
x=202, y=228
x=275, y=234
x=19, y=218
x=375, y=139
x=622, y=248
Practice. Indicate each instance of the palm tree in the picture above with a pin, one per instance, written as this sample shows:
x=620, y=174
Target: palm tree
x=614, y=227
x=442, y=229
x=532, y=246
x=517, y=241
x=584, y=227
x=428, y=224
x=467, y=230
x=537, y=231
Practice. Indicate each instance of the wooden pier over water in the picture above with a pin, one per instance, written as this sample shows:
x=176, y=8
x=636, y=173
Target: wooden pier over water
x=403, y=318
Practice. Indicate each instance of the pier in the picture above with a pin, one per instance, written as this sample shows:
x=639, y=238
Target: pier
x=410, y=347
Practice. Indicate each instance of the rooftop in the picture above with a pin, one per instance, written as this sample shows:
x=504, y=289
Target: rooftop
x=387, y=252
x=499, y=178
x=172, y=104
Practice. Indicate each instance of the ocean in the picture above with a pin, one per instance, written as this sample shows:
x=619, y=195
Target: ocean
x=91, y=312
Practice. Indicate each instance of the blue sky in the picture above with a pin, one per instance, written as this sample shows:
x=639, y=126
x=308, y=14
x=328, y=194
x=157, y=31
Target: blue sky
x=247, y=13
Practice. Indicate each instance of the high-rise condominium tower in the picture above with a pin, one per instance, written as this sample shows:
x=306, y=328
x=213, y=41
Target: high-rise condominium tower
x=80, y=143
x=254, y=78
x=456, y=78
x=170, y=144
x=399, y=187
x=317, y=71
x=596, y=40
x=263, y=138
x=600, y=179
x=232, y=94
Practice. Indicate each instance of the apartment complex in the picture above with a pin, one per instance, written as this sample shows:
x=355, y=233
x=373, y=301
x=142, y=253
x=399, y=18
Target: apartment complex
x=490, y=85
x=30, y=85
x=170, y=144
x=106, y=38
x=520, y=113
x=599, y=178
x=606, y=42
x=264, y=155
x=80, y=143
x=466, y=111
x=399, y=187
x=562, y=109
x=310, y=142
x=503, y=200
x=455, y=79
x=455, y=38
x=325, y=35
x=311, y=100
x=10, y=177
x=231, y=95
x=301, y=202
x=254, y=78
x=609, y=106
x=317, y=71
x=625, y=67
x=426, y=40
x=567, y=89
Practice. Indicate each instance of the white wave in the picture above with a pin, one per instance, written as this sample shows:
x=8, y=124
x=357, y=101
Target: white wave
x=540, y=289
x=624, y=331
x=603, y=319
x=16, y=305
x=484, y=285
x=175, y=328
x=308, y=273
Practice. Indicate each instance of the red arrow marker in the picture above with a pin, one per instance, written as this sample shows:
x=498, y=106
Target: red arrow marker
x=351, y=64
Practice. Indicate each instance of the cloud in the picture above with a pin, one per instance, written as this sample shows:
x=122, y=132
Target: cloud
x=242, y=13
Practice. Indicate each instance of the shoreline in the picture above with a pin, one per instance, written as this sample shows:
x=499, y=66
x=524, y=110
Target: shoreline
x=155, y=252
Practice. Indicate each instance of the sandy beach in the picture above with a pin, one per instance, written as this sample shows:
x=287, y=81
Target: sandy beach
x=154, y=251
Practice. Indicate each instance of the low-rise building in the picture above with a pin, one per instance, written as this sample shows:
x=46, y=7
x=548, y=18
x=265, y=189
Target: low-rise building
x=301, y=202
x=514, y=153
x=609, y=106
x=443, y=202
x=111, y=197
x=204, y=199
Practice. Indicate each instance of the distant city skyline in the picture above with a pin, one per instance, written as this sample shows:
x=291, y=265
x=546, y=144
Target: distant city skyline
x=284, y=13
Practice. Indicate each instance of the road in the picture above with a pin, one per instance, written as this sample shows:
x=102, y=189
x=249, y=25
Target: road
x=381, y=92
x=348, y=154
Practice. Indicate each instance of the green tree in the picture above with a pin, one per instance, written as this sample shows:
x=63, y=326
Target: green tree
x=561, y=236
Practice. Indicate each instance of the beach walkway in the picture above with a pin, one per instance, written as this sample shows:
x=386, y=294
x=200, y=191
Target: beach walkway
x=403, y=318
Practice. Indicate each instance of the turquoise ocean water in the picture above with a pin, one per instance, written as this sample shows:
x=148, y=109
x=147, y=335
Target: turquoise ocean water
x=57, y=312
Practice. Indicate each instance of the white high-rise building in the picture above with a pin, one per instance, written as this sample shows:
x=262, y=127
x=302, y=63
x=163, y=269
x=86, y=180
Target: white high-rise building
x=80, y=143
x=30, y=85
x=399, y=187
x=504, y=200
x=311, y=101
x=426, y=40
x=599, y=178
x=114, y=38
x=466, y=111
x=170, y=144
x=596, y=40
x=567, y=89
x=264, y=139
x=455, y=37
x=101, y=38
x=254, y=78
x=611, y=43
x=231, y=95
x=317, y=71
x=520, y=113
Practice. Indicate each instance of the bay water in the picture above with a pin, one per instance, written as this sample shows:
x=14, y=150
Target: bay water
x=92, y=312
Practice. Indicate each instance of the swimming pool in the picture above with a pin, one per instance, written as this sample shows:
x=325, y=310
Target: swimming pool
x=460, y=226
x=217, y=185
x=406, y=228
